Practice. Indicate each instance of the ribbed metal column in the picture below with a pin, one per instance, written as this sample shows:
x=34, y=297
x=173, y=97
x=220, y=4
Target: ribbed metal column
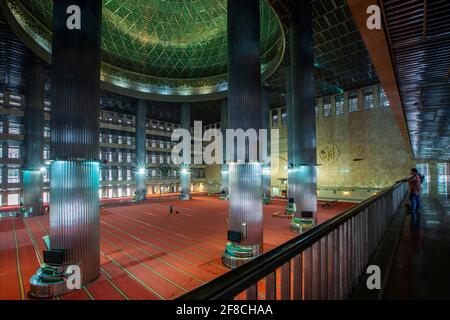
x=74, y=185
x=224, y=126
x=302, y=124
x=265, y=119
x=140, y=149
x=185, y=172
x=244, y=112
x=34, y=137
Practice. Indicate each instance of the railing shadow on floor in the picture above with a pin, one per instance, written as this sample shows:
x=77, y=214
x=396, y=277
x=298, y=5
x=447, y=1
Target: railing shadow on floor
x=323, y=263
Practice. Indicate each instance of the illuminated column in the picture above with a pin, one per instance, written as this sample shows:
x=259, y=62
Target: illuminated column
x=140, y=149
x=245, y=216
x=33, y=166
x=302, y=124
x=185, y=172
x=224, y=126
x=265, y=118
x=75, y=128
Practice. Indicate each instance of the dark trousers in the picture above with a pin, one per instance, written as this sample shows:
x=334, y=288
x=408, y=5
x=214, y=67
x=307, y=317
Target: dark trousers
x=414, y=200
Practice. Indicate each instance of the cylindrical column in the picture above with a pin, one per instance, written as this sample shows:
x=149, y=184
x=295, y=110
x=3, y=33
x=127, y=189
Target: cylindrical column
x=74, y=184
x=245, y=225
x=33, y=166
x=302, y=125
x=185, y=172
x=140, y=149
x=265, y=118
x=224, y=126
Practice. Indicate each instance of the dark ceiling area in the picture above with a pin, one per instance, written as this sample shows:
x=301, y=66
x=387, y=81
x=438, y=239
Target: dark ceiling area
x=419, y=35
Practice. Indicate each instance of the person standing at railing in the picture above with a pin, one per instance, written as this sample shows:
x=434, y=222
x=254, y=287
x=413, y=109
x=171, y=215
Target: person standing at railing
x=414, y=182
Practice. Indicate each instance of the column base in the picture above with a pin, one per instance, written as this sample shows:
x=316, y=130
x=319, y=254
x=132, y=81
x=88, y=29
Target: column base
x=140, y=198
x=301, y=225
x=30, y=212
x=48, y=282
x=185, y=196
x=236, y=255
x=224, y=197
x=290, y=208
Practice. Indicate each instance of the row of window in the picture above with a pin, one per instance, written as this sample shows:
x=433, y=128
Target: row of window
x=15, y=152
x=129, y=140
x=368, y=103
x=111, y=174
x=14, y=198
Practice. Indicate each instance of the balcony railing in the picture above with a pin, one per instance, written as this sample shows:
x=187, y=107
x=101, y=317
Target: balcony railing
x=325, y=262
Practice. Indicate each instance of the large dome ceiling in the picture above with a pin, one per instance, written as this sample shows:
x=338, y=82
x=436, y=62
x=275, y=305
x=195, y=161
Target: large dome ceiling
x=158, y=49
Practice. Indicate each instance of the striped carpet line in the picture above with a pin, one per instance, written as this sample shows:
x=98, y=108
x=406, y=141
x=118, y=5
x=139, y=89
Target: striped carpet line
x=151, y=235
x=154, y=256
x=111, y=282
x=18, y=267
x=161, y=240
x=145, y=265
x=159, y=229
x=33, y=241
x=131, y=275
x=168, y=243
x=205, y=230
x=180, y=217
x=152, y=245
x=91, y=297
x=166, y=232
x=183, y=223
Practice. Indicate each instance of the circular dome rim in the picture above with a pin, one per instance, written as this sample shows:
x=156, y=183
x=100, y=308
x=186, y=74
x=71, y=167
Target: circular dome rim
x=127, y=84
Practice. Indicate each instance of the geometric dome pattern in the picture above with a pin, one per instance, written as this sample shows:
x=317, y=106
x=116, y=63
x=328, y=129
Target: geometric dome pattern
x=165, y=44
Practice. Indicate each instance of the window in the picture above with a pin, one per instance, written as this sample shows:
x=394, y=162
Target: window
x=14, y=128
x=47, y=132
x=119, y=174
x=283, y=117
x=443, y=175
x=13, y=152
x=275, y=118
x=384, y=102
x=327, y=107
x=13, y=176
x=13, y=199
x=119, y=157
x=339, y=104
x=46, y=153
x=129, y=174
x=353, y=101
x=368, y=98
x=45, y=175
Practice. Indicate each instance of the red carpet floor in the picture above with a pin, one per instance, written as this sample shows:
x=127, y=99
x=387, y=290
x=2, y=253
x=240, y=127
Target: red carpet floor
x=146, y=253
